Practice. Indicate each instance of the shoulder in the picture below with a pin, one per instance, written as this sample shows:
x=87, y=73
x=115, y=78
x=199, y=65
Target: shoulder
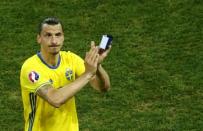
x=69, y=55
x=27, y=68
x=32, y=64
x=33, y=74
x=29, y=62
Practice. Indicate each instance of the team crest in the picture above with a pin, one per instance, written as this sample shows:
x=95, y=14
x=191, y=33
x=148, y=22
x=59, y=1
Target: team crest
x=33, y=76
x=69, y=74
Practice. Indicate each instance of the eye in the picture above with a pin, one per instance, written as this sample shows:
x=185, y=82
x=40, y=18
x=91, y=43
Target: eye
x=59, y=34
x=47, y=34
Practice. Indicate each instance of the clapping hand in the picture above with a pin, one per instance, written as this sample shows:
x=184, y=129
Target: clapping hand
x=103, y=55
x=92, y=59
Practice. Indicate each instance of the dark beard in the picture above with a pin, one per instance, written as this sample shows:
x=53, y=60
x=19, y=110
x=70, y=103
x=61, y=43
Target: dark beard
x=55, y=53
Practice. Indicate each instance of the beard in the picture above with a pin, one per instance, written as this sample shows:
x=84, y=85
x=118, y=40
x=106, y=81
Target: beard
x=54, y=53
x=54, y=50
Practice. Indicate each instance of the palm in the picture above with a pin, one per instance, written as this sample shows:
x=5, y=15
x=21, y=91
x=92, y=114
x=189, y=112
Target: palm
x=102, y=57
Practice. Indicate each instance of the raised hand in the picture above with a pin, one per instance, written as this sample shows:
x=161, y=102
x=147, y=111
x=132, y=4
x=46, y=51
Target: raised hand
x=91, y=59
x=104, y=55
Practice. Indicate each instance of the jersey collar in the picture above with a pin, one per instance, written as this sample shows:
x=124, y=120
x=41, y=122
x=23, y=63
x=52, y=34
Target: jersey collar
x=52, y=67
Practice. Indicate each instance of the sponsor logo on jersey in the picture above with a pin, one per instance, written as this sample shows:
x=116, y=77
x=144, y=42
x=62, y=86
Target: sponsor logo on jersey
x=33, y=76
x=69, y=74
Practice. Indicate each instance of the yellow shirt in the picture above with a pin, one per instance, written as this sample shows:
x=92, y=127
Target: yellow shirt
x=39, y=115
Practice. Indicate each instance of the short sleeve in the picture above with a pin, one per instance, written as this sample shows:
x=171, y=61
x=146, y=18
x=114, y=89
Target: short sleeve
x=32, y=79
x=78, y=64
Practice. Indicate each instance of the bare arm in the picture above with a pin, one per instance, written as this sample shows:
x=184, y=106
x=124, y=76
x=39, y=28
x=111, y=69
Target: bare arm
x=57, y=97
x=101, y=81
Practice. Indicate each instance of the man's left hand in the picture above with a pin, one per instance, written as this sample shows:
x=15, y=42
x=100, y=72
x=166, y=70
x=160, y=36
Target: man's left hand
x=103, y=55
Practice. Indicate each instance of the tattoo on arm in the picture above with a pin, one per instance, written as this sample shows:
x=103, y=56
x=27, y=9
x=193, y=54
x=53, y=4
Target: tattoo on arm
x=43, y=91
x=49, y=94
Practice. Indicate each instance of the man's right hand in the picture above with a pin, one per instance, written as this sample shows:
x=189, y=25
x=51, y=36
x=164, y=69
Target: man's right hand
x=91, y=59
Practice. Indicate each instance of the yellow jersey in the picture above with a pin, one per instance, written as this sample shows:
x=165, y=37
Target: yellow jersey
x=39, y=115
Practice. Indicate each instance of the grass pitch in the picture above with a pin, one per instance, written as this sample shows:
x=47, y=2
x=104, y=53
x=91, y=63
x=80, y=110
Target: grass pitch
x=155, y=64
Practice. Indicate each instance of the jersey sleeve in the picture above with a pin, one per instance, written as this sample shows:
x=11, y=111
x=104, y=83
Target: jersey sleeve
x=78, y=64
x=32, y=79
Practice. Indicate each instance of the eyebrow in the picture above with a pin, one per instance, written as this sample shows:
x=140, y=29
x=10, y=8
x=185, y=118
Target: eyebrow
x=57, y=33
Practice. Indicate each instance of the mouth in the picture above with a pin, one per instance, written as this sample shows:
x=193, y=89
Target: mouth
x=54, y=45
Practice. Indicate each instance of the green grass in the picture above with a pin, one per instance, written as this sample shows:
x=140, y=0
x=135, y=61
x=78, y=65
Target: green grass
x=155, y=64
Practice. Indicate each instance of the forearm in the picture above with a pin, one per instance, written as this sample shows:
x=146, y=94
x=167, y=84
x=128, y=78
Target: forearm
x=101, y=81
x=71, y=89
x=57, y=97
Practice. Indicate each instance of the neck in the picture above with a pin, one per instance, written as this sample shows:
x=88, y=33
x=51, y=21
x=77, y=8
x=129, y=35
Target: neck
x=50, y=59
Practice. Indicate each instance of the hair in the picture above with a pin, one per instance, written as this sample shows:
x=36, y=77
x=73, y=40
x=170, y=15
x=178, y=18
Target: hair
x=49, y=21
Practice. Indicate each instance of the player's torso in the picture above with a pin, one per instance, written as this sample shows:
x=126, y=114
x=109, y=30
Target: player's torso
x=47, y=116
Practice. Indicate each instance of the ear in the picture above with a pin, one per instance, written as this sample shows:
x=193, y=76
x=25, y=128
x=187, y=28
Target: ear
x=38, y=39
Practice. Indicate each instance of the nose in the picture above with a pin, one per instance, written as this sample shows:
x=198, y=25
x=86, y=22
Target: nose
x=53, y=40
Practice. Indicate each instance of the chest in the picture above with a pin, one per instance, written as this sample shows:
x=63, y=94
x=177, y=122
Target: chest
x=61, y=76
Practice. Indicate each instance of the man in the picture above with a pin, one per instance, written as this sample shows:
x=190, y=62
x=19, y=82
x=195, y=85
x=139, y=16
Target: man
x=50, y=79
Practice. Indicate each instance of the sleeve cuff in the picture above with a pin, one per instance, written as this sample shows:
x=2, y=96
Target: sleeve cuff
x=46, y=83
